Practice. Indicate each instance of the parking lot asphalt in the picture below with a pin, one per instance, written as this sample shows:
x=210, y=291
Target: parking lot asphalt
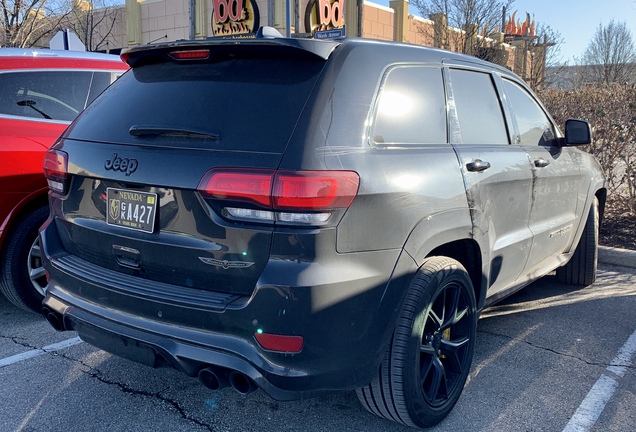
x=549, y=358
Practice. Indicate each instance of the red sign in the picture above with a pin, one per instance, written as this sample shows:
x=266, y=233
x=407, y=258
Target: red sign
x=234, y=17
x=225, y=10
x=324, y=15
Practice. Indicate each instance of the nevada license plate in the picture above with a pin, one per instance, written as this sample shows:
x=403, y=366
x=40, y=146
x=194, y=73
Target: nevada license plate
x=131, y=209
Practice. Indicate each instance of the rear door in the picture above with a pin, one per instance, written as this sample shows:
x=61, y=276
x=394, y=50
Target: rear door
x=556, y=178
x=497, y=175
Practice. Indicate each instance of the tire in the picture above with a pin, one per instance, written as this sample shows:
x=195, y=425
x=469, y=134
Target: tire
x=581, y=269
x=427, y=362
x=23, y=280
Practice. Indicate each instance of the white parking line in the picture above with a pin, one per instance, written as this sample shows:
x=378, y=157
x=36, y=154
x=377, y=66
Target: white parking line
x=38, y=352
x=592, y=406
x=624, y=358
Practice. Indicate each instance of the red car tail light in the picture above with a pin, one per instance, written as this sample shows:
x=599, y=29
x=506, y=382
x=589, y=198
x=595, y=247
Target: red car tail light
x=56, y=170
x=295, y=197
x=314, y=190
x=252, y=186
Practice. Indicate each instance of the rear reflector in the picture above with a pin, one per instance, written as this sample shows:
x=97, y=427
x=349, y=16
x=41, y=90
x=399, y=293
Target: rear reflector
x=280, y=343
x=56, y=169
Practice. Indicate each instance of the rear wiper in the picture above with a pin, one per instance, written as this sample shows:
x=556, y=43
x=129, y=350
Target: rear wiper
x=31, y=104
x=147, y=131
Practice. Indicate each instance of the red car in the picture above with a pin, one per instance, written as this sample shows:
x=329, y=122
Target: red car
x=41, y=92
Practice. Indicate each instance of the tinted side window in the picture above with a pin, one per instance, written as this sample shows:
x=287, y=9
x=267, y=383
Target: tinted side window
x=534, y=126
x=411, y=107
x=53, y=95
x=478, y=110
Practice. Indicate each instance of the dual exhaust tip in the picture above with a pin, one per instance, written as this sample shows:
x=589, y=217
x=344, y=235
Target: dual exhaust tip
x=216, y=378
x=213, y=377
x=55, y=319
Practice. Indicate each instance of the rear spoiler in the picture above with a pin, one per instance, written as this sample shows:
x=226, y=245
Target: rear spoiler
x=264, y=43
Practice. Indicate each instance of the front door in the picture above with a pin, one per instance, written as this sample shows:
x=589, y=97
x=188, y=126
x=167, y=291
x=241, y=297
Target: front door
x=556, y=178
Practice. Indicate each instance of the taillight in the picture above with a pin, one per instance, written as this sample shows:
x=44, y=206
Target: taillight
x=56, y=170
x=314, y=190
x=253, y=186
x=294, y=197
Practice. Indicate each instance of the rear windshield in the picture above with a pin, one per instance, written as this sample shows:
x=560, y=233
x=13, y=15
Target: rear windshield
x=246, y=104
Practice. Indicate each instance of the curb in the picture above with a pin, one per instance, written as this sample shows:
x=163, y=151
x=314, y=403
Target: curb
x=616, y=256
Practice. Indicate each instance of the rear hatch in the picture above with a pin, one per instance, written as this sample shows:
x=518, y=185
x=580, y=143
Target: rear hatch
x=154, y=161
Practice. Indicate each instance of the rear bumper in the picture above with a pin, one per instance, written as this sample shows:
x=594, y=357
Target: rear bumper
x=143, y=345
x=344, y=309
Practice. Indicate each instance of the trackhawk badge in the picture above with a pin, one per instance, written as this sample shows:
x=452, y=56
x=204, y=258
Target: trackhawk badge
x=226, y=264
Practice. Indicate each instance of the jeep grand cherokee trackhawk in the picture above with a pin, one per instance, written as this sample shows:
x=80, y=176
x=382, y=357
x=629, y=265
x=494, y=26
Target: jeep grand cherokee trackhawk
x=305, y=216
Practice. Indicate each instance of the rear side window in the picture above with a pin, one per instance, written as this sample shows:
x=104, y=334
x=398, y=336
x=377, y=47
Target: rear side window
x=411, y=107
x=50, y=95
x=478, y=109
x=534, y=125
x=250, y=104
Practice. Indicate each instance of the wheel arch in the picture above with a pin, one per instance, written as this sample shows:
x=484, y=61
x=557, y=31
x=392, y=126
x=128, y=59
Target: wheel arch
x=27, y=205
x=468, y=253
x=601, y=195
x=449, y=234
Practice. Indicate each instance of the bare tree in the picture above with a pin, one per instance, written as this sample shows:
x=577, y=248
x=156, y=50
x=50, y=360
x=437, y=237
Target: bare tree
x=25, y=23
x=476, y=18
x=93, y=21
x=610, y=55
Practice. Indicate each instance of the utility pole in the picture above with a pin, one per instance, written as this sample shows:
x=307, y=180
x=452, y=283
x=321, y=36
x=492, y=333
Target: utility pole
x=288, y=19
x=192, y=19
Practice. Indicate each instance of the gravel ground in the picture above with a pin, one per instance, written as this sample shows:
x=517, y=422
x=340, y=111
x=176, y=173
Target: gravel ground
x=619, y=231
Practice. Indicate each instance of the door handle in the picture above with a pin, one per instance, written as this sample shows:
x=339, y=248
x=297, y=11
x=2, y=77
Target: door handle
x=541, y=163
x=477, y=165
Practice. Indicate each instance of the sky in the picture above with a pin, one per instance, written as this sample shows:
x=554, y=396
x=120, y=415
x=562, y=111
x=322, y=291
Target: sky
x=577, y=21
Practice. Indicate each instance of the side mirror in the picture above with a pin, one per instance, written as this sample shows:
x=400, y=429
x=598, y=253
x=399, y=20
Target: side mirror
x=577, y=132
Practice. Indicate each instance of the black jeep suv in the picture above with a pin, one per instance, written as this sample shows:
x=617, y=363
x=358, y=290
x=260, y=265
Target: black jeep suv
x=306, y=216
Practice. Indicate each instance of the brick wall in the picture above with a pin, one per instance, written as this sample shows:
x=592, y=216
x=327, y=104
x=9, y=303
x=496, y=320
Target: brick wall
x=420, y=31
x=378, y=22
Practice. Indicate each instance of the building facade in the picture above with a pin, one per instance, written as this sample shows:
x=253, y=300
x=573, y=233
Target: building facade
x=152, y=21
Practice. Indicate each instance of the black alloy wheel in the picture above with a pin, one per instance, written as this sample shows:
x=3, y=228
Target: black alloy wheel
x=445, y=345
x=427, y=363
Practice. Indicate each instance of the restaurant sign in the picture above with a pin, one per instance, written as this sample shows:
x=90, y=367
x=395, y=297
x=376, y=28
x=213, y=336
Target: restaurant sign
x=234, y=17
x=324, y=15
